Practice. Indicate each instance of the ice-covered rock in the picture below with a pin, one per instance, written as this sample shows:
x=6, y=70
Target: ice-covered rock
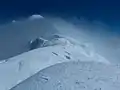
x=36, y=43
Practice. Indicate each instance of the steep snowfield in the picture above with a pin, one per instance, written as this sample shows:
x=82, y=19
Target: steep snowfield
x=74, y=76
x=56, y=50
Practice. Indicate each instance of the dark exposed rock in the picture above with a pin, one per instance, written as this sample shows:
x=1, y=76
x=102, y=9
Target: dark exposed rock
x=67, y=57
x=55, y=53
x=36, y=43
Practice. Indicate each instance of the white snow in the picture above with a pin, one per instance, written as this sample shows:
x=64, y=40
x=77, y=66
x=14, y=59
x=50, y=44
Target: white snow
x=19, y=68
x=74, y=76
x=60, y=63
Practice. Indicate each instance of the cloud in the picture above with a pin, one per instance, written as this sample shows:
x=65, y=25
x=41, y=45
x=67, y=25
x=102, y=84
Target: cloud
x=35, y=16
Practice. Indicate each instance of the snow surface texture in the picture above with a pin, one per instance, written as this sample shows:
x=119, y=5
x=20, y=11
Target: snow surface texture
x=58, y=50
x=74, y=76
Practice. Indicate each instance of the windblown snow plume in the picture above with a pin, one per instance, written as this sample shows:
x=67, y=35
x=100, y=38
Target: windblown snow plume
x=32, y=50
x=15, y=37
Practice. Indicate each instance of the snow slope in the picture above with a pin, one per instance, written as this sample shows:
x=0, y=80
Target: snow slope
x=74, y=76
x=58, y=50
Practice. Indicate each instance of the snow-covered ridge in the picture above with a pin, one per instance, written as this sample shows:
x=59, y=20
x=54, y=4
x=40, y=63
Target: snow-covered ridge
x=67, y=41
x=56, y=50
x=74, y=76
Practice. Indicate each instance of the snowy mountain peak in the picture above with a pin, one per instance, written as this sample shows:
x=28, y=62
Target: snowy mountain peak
x=50, y=52
x=80, y=50
x=41, y=42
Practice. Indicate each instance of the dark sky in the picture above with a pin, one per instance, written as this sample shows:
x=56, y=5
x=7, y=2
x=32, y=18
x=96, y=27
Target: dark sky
x=105, y=10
